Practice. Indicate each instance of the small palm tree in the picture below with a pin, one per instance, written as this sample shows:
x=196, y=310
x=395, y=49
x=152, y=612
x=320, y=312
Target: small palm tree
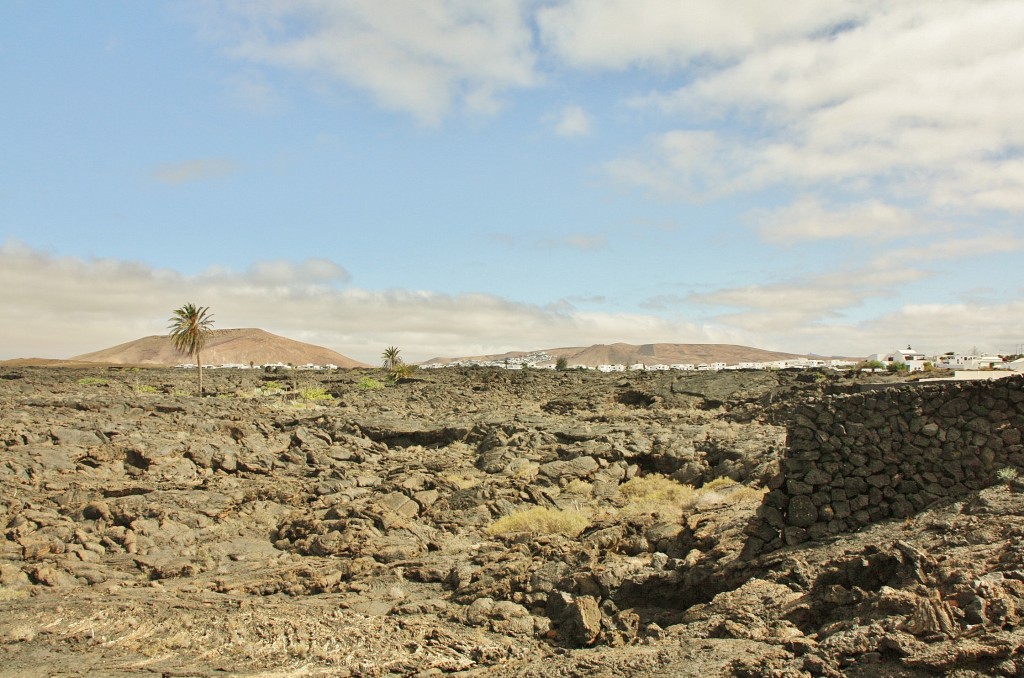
x=190, y=327
x=391, y=358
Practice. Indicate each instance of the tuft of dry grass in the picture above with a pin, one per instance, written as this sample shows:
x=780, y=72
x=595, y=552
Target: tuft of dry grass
x=727, y=490
x=656, y=493
x=578, y=487
x=722, y=482
x=540, y=520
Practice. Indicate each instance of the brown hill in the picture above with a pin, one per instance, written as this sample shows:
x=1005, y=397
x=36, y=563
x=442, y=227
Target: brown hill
x=225, y=347
x=649, y=354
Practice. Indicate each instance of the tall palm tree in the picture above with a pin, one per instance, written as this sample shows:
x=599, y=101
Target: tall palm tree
x=391, y=358
x=190, y=327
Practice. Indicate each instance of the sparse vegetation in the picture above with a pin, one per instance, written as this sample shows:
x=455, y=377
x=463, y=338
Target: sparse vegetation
x=722, y=482
x=657, y=493
x=869, y=365
x=190, y=328
x=578, y=487
x=1007, y=475
x=726, y=489
x=540, y=520
x=369, y=384
x=271, y=387
x=315, y=393
x=401, y=371
x=391, y=358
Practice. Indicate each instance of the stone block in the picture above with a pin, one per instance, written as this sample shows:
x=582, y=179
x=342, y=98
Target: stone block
x=802, y=511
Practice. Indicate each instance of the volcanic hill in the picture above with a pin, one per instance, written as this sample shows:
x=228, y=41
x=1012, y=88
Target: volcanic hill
x=224, y=347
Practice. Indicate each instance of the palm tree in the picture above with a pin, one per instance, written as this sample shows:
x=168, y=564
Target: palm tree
x=190, y=327
x=391, y=358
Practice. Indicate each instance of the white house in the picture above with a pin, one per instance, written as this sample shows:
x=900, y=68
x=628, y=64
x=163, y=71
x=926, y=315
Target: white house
x=914, y=360
x=955, y=361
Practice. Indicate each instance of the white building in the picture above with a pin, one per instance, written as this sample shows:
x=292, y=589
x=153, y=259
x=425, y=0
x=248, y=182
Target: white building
x=914, y=360
x=955, y=361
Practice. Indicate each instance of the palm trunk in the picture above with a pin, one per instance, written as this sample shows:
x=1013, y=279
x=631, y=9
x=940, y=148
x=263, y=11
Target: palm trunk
x=199, y=365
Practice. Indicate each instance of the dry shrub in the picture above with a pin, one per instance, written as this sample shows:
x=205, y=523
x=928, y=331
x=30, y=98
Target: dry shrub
x=656, y=493
x=725, y=489
x=579, y=487
x=540, y=520
x=722, y=482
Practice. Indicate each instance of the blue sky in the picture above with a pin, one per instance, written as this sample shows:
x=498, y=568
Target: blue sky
x=455, y=177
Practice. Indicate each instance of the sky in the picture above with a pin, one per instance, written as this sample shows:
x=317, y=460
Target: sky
x=455, y=177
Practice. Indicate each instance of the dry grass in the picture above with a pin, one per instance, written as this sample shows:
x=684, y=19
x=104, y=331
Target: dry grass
x=726, y=490
x=578, y=487
x=540, y=520
x=657, y=494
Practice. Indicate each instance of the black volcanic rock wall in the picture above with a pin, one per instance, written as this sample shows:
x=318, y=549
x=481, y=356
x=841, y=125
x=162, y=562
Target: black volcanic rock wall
x=859, y=459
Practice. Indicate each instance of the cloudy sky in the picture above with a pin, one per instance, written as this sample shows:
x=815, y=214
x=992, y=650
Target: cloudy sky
x=457, y=177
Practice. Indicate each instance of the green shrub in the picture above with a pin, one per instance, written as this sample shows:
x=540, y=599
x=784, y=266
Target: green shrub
x=369, y=384
x=540, y=520
x=315, y=393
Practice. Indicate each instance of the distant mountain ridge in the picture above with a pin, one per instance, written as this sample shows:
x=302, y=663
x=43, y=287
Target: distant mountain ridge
x=648, y=354
x=224, y=347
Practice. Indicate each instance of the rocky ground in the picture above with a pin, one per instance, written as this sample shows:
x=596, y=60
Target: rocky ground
x=315, y=524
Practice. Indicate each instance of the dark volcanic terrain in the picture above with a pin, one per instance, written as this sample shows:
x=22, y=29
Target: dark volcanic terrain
x=470, y=522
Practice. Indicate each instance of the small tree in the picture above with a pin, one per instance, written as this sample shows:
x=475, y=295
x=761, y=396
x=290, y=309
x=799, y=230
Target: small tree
x=190, y=327
x=869, y=365
x=391, y=358
x=562, y=363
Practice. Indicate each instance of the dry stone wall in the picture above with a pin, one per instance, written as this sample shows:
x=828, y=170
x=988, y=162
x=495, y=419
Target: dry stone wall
x=859, y=459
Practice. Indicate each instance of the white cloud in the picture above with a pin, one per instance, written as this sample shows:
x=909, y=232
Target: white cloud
x=615, y=34
x=573, y=121
x=67, y=306
x=951, y=249
x=283, y=272
x=912, y=99
x=808, y=219
x=419, y=58
x=198, y=169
